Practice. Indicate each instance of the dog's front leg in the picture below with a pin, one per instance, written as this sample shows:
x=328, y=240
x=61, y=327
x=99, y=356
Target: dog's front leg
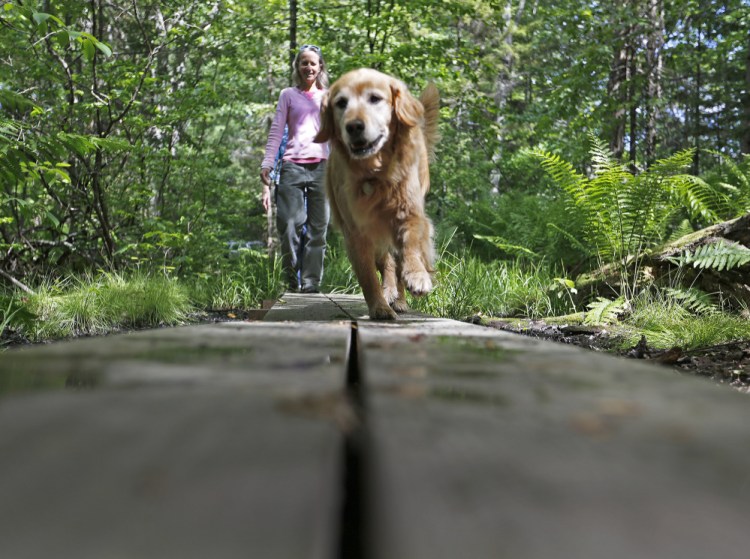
x=362, y=256
x=415, y=239
x=393, y=286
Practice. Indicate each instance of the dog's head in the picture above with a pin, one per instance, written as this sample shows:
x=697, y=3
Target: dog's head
x=362, y=110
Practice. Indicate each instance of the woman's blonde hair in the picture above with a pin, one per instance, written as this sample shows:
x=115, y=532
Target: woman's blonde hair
x=322, y=79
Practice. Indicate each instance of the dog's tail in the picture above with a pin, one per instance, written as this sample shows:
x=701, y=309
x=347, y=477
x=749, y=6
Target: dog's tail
x=430, y=100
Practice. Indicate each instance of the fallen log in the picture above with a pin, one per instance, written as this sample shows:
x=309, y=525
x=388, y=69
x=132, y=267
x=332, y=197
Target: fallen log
x=673, y=265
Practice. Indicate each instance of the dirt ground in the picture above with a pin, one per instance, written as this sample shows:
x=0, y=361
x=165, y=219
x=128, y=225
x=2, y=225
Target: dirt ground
x=727, y=364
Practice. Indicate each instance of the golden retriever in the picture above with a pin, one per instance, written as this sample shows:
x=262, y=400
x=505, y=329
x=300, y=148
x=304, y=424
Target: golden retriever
x=381, y=140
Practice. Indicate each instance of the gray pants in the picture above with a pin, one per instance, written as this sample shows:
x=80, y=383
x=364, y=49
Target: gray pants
x=295, y=183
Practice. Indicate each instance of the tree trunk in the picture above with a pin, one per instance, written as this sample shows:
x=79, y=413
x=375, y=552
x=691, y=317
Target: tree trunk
x=745, y=140
x=697, y=103
x=292, y=36
x=100, y=200
x=654, y=63
x=505, y=82
x=633, y=104
x=615, y=91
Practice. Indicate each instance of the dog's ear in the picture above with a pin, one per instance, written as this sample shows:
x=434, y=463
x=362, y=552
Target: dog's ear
x=408, y=109
x=327, y=126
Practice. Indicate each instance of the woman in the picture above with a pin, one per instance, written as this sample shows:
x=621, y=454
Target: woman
x=300, y=195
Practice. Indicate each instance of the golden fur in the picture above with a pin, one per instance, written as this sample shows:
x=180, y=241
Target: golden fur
x=381, y=140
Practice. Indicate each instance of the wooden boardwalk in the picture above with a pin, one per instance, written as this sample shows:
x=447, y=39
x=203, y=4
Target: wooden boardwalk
x=317, y=433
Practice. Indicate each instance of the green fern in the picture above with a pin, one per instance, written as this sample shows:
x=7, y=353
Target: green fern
x=504, y=245
x=702, y=200
x=574, y=241
x=692, y=299
x=680, y=230
x=625, y=214
x=719, y=255
x=732, y=179
x=604, y=311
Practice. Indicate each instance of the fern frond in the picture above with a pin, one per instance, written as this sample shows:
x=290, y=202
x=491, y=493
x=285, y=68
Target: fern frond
x=694, y=300
x=502, y=244
x=604, y=311
x=740, y=172
x=575, y=241
x=682, y=229
x=676, y=163
x=734, y=178
x=720, y=255
x=701, y=200
x=602, y=158
x=9, y=131
x=561, y=172
x=728, y=187
x=15, y=101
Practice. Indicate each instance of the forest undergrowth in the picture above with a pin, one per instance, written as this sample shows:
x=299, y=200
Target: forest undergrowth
x=507, y=257
x=526, y=298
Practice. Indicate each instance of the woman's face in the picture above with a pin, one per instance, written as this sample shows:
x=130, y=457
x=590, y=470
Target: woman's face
x=309, y=67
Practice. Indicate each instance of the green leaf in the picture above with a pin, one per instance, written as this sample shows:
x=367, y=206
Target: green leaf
x=89, y=50
x=40, y=18
x=565, y=282
x=104, y=48
x=63, y=39
x=53, y=219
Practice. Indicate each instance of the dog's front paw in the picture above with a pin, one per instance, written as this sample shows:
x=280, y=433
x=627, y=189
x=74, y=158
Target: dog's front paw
x=382, y=311
x=418, y=283
x=400, y=306
x=390, y=293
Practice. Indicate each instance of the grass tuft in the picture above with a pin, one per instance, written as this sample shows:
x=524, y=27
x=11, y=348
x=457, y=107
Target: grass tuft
x=96, y=304
x=667, y=322
x=253, y=278
x=465, y=285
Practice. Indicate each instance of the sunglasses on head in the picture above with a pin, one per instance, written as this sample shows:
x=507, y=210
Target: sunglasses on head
x=309, y=47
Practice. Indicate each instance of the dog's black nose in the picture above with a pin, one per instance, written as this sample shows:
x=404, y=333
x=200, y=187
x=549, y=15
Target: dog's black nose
x=355, y=127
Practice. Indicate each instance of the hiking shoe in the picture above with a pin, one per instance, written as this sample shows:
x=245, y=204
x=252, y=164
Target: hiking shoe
x=310, y=289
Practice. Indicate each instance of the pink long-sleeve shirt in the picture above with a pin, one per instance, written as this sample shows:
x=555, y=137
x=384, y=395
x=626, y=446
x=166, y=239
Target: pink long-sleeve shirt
x=302, y=114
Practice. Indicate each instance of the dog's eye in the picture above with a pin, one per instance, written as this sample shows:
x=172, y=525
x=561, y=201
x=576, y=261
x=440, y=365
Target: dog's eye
x=375, y=98
x=341, y=103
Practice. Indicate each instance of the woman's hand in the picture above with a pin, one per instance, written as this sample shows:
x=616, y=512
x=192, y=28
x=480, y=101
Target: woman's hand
x=265, y=178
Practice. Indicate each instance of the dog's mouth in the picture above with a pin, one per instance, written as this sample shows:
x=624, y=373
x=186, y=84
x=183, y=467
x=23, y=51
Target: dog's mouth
x=360, y=149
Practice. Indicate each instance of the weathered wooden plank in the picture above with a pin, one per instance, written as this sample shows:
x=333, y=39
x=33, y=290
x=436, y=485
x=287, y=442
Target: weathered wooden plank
x=485, y=444
x=232, y=440
x=314, y=307
x=207, y=441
